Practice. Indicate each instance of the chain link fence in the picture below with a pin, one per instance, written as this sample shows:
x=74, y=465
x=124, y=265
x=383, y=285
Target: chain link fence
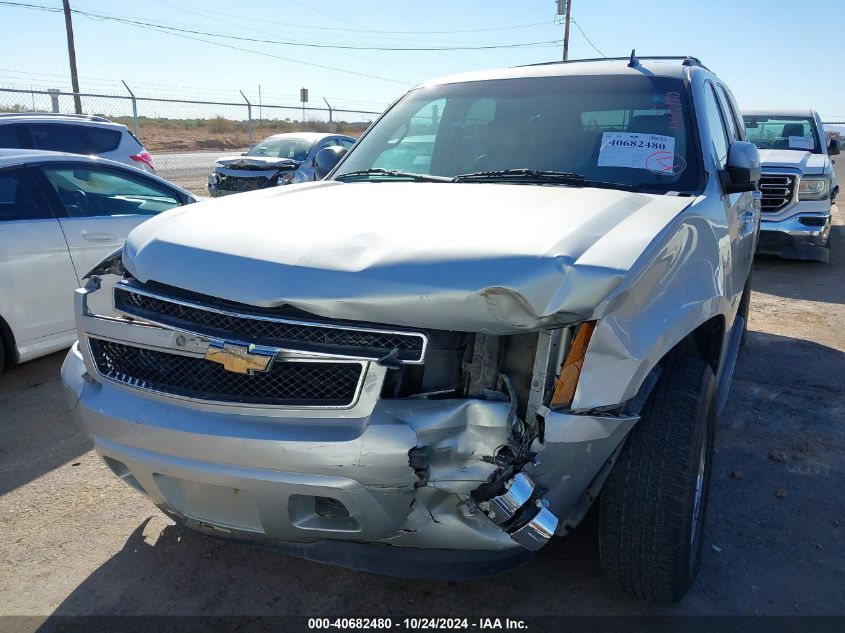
x=184, y=136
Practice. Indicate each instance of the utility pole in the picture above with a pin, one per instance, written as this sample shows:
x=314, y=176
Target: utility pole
x=566, y=30
x=71, y=52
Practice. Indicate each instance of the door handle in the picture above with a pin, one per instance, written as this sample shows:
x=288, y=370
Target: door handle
x=93, y=236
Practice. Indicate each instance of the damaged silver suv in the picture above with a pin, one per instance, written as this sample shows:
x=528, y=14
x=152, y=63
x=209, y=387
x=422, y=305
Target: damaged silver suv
x=521, y=292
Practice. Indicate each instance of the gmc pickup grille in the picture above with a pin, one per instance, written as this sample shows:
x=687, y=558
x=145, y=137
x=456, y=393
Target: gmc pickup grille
x=778, y=191
x=324, y=338
x=287, y=383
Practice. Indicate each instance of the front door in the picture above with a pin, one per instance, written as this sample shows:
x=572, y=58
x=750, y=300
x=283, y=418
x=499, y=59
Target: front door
x=37, y=278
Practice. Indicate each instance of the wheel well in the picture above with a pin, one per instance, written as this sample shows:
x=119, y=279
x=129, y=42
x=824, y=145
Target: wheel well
x=7, y=340
x=705, y=341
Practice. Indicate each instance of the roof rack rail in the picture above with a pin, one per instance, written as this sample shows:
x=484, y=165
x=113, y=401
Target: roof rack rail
x=686, y=60
x=86, y=117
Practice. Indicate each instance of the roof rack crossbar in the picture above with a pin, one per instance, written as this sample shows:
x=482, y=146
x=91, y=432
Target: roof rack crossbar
x=686, y=60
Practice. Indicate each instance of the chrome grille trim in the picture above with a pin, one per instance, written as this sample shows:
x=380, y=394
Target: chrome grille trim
x=107, y=370
x=418, y=341
x=778, y=191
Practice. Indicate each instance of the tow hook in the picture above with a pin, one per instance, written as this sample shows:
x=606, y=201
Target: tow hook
x=521, y=512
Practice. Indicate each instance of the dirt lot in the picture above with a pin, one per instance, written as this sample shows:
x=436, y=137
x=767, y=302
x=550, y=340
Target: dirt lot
x=75, y=540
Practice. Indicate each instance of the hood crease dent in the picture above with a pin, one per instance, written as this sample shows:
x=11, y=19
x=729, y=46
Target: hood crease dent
x=490, y=258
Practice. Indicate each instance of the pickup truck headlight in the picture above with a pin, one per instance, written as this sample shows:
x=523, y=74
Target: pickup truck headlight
x=812, y=188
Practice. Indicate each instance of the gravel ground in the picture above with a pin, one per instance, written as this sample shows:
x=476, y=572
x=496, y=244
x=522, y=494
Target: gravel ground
x=75, y=540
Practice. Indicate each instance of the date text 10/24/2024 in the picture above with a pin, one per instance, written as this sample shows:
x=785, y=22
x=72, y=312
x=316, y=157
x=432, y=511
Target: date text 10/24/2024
x=417, y=624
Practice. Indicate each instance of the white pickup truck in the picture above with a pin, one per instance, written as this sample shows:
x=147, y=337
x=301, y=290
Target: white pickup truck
x=798, y=182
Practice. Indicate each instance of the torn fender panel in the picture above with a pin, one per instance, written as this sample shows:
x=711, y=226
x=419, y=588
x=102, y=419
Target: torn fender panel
x=492, y=258
x=681, y=283
x=574, y=450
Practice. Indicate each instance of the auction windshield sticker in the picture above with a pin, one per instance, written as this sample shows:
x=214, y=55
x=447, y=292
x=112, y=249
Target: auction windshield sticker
x=633, y=150
x=801, y=142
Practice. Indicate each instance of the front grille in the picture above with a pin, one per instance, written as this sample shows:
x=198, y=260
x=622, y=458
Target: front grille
x=277, y=332
x=294, y=383
x=777, y=190
x=237, y=183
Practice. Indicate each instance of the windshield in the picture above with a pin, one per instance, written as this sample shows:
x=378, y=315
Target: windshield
x=293, y=148
x=633, y=131
x=782, y=132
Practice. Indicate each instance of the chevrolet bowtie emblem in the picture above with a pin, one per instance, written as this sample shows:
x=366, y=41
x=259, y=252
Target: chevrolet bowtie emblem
x=240, y=359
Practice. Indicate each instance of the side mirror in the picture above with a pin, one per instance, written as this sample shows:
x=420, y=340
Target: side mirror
x=833, y=147
x=326, y=159
x=742, y=172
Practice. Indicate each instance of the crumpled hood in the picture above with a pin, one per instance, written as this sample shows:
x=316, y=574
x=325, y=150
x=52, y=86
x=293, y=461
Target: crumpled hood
x=255, y=162
x=487, y=257
x=805, y=162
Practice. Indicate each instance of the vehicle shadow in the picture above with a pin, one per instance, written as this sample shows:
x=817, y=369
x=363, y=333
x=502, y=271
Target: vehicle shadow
x=37, y=433
x=168, y=570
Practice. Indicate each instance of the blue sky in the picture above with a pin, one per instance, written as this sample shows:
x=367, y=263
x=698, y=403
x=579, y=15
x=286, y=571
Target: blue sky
x=771, y=52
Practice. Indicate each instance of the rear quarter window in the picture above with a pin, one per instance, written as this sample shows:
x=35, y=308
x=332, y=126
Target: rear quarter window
x=100, y=139
x=9, y=136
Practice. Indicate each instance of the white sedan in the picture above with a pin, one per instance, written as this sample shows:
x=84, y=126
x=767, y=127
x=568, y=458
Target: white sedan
x=60, y=214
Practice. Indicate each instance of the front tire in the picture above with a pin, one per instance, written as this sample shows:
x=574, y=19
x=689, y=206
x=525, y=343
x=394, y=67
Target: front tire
x=654, y=502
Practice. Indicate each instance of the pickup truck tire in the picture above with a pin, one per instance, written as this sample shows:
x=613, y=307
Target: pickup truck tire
x=653, y=505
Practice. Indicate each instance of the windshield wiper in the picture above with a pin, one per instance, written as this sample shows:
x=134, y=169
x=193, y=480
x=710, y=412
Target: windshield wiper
x=543, y=176
x=390, y=173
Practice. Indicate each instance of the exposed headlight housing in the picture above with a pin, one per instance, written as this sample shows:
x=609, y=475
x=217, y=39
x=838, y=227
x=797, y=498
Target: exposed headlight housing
x=285, y=178
x=111, y=264
x=813, y=188
x=212, y=178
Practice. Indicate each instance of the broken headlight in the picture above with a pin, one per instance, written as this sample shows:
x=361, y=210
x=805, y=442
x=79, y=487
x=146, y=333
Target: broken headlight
x=111, y=264
x=285, y=178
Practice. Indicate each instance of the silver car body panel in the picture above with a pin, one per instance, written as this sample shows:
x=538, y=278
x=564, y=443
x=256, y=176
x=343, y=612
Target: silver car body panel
x=488, y=259
x=509, y=277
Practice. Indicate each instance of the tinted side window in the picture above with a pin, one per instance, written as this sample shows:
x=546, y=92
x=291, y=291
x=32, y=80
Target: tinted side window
x=730, y=121
x=716, y=125
x=19, y=197
x=98, y=139
x=733, y=112
x=329, y=142
x=58, y=137
x=346, y=143
x=95, y=192
x=9, y=136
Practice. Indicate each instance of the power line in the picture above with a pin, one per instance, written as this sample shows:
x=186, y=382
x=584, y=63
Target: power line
x=140, y=23
x=238, y=48
x=595, y=48
x=359, y=30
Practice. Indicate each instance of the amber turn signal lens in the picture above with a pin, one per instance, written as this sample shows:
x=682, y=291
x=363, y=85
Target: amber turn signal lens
x=571, y=370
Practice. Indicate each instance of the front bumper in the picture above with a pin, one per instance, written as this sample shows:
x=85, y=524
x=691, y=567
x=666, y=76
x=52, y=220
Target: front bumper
x=223, y=182
x=804, y=235
x=259, y=475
